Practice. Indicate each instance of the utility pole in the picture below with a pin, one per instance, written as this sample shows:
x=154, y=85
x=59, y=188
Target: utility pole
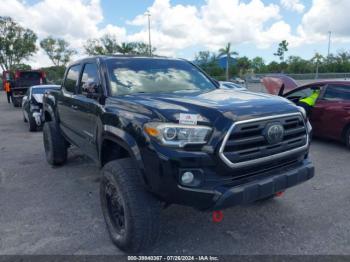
x=329, y=43
x=149, y=33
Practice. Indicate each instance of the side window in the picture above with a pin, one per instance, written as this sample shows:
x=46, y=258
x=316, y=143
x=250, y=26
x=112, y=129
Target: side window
x=337, y=92
x=72, y=78
x=90, y=81
x=301, y=93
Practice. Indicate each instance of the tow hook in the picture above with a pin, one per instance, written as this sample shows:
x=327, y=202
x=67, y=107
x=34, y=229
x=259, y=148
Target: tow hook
x=218, y=216
x=37, y=117
x=279, y=194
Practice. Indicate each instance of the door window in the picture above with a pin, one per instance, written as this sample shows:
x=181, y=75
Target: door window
x=337, y=92
x=72, y=78
x=89, y=83
x=301, y=93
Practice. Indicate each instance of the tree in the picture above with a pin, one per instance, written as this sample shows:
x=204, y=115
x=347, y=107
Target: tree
x=127, y=48
x=297, y=65
x=16, y=43
x=202, y=58
x=105, y=45
x=21, y=67
x=228, y=53
x=141, y=48
x=57, y=50
x=243, y=64
x=282, y=49
x=317, y=60
x=258, y=65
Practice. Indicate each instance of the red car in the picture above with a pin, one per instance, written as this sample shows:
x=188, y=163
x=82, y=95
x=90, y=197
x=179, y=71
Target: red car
x=330, y=117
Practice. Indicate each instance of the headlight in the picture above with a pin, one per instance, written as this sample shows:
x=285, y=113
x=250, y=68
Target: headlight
x=178, y=135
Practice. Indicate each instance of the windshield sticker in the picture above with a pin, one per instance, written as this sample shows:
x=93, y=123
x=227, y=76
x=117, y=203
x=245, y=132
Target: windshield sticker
x=188, y=119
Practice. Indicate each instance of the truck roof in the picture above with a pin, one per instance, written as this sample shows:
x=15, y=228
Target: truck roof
x=108, y=57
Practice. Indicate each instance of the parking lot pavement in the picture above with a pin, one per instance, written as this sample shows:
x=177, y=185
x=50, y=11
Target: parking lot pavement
x=46, y=210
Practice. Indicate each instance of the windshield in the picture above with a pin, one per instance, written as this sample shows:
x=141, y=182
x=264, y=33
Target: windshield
x=30, y=76
x=41, y=90
x=144, y=75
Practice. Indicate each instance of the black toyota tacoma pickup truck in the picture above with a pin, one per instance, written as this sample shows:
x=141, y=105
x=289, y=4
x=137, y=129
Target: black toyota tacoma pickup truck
x=164, y=133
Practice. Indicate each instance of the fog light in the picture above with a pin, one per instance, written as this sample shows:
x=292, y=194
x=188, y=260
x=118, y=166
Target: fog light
x=187, y=178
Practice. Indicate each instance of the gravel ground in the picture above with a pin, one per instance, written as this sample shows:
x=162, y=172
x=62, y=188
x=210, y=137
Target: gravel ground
x=46, y=210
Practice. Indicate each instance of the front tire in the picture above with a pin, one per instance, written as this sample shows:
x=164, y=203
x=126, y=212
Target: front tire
x=347, y=138
x=131, y=213
x=55, y=144
x=32, y=124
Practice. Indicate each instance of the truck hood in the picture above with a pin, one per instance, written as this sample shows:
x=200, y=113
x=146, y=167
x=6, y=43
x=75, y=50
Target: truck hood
x=209, y=107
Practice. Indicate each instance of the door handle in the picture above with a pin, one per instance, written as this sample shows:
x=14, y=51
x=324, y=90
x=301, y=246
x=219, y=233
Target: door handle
x=74, y=107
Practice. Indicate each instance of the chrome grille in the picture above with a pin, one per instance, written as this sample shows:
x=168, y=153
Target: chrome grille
x=245, y=143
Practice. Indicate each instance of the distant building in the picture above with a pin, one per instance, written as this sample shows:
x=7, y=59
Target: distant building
x=222, y=61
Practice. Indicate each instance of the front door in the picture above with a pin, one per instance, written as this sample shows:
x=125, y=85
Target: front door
x=332, y=111
x=88, y=107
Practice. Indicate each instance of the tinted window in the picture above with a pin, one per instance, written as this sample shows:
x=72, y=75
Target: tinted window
x=30, y=76
x=72, y=78
x=144, y=75
x=89, y=80
x=42, y=90
x=339, y=92
x=305, y=92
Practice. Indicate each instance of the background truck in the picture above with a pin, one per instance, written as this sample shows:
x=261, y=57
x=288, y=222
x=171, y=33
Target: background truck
x=20, y=81
x=164, y=132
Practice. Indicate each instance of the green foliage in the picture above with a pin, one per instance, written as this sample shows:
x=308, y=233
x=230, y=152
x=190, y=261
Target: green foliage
x=54, y=74
x=21, y=67
x=57, y=50
x=16, y=43
x=209, y=63
x=226, y=51
x=282, y=49
x=107, y=45
x=243, y=64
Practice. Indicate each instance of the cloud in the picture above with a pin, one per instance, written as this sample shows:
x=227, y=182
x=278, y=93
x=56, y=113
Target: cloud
x=73, y=20
x=217, y=22
x=325, y=16
x=293, y=5
x=177, y=27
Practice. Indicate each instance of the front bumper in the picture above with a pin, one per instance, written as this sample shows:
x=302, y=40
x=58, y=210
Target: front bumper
x=220, y=186
x=261, y=188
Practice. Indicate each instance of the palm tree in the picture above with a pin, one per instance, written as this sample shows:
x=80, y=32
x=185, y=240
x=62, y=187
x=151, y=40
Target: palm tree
x=228, y=53
x=317, y=59
x=126, y=48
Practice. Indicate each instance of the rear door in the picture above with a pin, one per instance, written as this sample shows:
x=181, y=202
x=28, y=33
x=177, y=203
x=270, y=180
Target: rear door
x=333, y=110
x=67, y=108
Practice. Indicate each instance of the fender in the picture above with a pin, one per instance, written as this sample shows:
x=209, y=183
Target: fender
x=125, y=140
x=48, y=106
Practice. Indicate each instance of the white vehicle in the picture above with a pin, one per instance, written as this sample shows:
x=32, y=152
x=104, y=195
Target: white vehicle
x=230, y=85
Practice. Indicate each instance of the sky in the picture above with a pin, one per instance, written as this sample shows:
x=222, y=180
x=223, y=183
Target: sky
x=182, y=28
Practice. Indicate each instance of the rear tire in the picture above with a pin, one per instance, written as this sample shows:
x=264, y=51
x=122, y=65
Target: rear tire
x=32, y=124
x=55, y=144
x=132, y=214
x=16, y=103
